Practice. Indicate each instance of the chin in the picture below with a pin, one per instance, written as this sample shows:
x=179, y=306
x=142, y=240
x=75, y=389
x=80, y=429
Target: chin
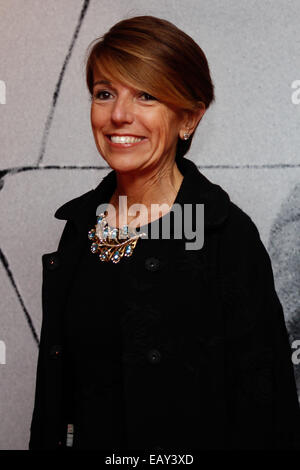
x=123, y=163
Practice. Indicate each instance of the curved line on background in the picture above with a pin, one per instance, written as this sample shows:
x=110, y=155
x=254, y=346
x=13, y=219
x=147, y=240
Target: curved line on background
x=59, y=82
x=11, y=278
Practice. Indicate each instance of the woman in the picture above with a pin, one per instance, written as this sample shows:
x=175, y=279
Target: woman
x=151, y=343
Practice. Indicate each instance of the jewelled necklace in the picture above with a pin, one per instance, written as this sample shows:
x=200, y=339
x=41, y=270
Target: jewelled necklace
x=112, y=243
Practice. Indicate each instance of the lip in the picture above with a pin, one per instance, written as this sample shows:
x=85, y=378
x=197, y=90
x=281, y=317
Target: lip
x=121, y=135
x=125, y=145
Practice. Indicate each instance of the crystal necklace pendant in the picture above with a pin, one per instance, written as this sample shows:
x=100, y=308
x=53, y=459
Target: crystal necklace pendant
x=111, y=244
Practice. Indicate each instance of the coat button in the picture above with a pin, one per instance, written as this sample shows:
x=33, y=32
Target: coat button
x=152, y=264
x=154, y=356
x=56, y=351
x=52, y=261
x=158, y=449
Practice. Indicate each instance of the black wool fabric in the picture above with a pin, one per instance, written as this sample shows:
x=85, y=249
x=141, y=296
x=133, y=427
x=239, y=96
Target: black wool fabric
x=104, y=329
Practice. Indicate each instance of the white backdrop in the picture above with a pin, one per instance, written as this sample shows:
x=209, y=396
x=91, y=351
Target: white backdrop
x=247, y=142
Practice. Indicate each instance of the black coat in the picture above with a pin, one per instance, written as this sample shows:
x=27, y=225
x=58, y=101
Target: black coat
x=215, y=371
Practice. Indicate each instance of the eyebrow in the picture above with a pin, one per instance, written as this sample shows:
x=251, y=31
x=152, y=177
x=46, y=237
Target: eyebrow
x=102, y=82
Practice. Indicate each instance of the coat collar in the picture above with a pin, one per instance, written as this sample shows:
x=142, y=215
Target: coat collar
x=195, y=188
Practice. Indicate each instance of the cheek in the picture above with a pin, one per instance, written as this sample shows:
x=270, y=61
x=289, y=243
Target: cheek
x=168, y=127
x=97, y=117
x=159, y=127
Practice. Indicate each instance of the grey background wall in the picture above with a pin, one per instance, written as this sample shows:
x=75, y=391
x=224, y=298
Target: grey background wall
x=248, y=142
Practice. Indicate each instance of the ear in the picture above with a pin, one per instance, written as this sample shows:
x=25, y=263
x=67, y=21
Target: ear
x=191, y=120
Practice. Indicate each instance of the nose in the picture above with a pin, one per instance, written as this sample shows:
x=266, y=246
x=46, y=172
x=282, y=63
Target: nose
x=122, y=110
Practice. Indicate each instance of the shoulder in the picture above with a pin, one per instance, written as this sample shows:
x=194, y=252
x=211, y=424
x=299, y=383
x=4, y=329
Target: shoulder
x=74, y=212
x=71, y=206
x=238, y=219
x=243, y=255
x=239, y=231
x=246, y=274
x=77, y=207
x=240, y=247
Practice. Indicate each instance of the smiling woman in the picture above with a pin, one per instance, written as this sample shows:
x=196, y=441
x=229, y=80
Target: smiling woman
x=147, y=57
x=138, y=126
x=135, y=132
x=150, y=345
x=141, y=120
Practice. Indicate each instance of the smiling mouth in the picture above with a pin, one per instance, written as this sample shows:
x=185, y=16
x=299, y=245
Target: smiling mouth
x=124, y=139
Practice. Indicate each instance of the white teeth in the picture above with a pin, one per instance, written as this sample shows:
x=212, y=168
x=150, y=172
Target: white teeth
x=124, y=139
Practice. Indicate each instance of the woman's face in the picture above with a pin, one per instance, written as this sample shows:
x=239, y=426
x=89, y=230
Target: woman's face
x=151, y=127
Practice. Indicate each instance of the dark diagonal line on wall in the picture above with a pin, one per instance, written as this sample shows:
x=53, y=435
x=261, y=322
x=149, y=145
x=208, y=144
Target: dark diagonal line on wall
x=11, y=278
x=59, y=82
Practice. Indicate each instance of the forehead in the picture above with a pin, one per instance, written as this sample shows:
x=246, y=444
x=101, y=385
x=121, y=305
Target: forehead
x=102, y=76
x=104, y=79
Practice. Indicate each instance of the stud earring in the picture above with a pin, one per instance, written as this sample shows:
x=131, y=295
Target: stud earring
x=186, y=136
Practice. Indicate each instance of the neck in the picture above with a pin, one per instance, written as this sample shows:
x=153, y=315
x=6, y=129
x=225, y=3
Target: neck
x=159, y=186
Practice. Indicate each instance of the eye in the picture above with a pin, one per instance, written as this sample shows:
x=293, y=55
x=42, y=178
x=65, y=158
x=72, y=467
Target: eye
x=101, y=95
x=146, y=97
